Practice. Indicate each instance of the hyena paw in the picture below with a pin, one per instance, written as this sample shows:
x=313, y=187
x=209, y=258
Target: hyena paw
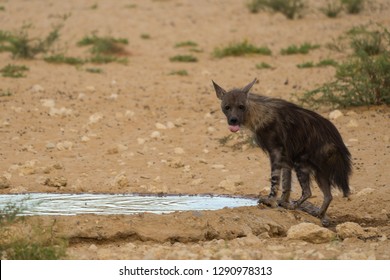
x=269, y=201
x=287, y=205
x=325, y=222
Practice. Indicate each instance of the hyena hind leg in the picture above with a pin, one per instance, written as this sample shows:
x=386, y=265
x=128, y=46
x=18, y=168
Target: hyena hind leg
x=303, y=174
x=325, y=187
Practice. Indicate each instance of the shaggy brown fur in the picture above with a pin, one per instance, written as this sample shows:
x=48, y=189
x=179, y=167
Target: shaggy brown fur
x=295, y=139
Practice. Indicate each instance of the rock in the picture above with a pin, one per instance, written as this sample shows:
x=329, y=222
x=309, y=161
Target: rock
x=350, y=229
x=56, y=182
x=218, y=166
x=85, y=138
x=120, y=181
x=310, y=233
x=365, y=192
x=96, y=117
x=48, y=103
x=65, y=145
x=160, y=126
x=60, y=112
x=335, y=114
x=231, y=182
x=155, y=135
x=170, y=125
x=196, y=182
x=352, y=123
x=50, y=146
x=179, y=150
x=141, y=141
x=37, y=88
x=5, y=182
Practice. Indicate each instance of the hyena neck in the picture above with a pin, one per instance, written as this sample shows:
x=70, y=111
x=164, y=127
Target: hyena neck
x=259, y=113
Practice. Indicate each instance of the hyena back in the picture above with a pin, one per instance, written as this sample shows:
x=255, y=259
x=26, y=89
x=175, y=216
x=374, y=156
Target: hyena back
x=294, y=139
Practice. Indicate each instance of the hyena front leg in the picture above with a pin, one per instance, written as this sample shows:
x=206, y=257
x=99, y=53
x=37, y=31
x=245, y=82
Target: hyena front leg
x=286, y=188
x=276, y=169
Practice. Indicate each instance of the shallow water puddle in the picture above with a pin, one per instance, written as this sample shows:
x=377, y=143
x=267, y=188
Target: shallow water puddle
x=111, y=204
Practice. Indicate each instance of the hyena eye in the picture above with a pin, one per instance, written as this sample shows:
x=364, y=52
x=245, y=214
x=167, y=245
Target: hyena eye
x=227, y=107
x=241, y=107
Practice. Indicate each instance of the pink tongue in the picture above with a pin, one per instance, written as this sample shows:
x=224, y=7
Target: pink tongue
x=234, y=128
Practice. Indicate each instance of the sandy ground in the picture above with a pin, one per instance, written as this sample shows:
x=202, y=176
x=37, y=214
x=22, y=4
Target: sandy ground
x=136, y=128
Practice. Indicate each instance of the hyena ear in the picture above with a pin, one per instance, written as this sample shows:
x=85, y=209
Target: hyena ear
x=247, y=88
x=218, y=90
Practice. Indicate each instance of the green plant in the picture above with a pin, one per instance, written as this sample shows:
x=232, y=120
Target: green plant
x=290, y=8
x=362, y=80
x=263, y=65
x=60, y=58
x=20, y=45
x=94, y=70
x=179, y=73
x=322, y=63
x=302, y=49
x=364, y=40
x=332, y=9
x=104, y=45
x=308, y=64
x=240, y=49
x=14, y=71
x=183, y=58
x=353, y=6
x=5, y=93
x=37, y=246
x=145, y=36
x=186, y=44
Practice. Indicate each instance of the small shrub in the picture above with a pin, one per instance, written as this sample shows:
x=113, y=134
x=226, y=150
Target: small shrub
x=263, y=65
x=290, y=8
x=240, y=49
x=302, y=49
x=14, y=71
x=104, y=45
x=60, y=58
x=20, y=45
x=145, y=36
x=183, y=58
x=332, y=9
x=308, y=64
x=186, y=44
x=179, y=73
x=353, y=6
x=322, y=63
x=94, y=70
x=38, y=246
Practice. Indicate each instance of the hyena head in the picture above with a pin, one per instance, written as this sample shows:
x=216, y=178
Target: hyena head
x=234, y=104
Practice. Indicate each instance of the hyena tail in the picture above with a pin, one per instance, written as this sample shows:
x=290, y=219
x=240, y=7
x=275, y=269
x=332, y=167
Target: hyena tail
x=340, y=169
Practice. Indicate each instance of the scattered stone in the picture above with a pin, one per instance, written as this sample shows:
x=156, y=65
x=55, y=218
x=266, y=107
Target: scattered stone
x=120, y=181
x=50, y=146
x=310, y=233
x=179, y=151
x=37, y=88
x=48, y=103
x=161, y=126
x=56, y=182
x=170, y=125
x=176, y=163
x=141, y=141
x=365, y=192
x=197, y=182
x=129, y=114
x=218, y=166
x=65, y=145
x=353, y=123
x=211, y=129
x=28, y=168
x=5, y=182
x=231, y=182
x=90, y=88
x=155, y=135
x=85, y=139
x=60, y=112
x=351, y=229
x=96, y=117
x=335, y=114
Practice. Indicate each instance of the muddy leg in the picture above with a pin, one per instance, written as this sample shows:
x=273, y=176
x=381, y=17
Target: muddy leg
x=286, y=188
x=276, y=168
x=326, y=190
x=303, y=174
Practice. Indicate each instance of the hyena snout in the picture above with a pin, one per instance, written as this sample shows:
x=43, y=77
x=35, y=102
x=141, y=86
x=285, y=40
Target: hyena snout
x=233, y=121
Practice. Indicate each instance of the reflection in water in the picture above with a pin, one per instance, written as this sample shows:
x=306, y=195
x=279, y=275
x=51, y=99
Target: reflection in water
x=109, y=204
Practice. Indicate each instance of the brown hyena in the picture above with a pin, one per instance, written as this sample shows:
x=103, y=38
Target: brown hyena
x=294, y=139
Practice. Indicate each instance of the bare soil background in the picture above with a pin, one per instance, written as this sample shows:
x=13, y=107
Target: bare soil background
x=138, y=128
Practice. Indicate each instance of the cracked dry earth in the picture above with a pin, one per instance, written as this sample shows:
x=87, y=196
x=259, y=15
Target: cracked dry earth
x=137, y=128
